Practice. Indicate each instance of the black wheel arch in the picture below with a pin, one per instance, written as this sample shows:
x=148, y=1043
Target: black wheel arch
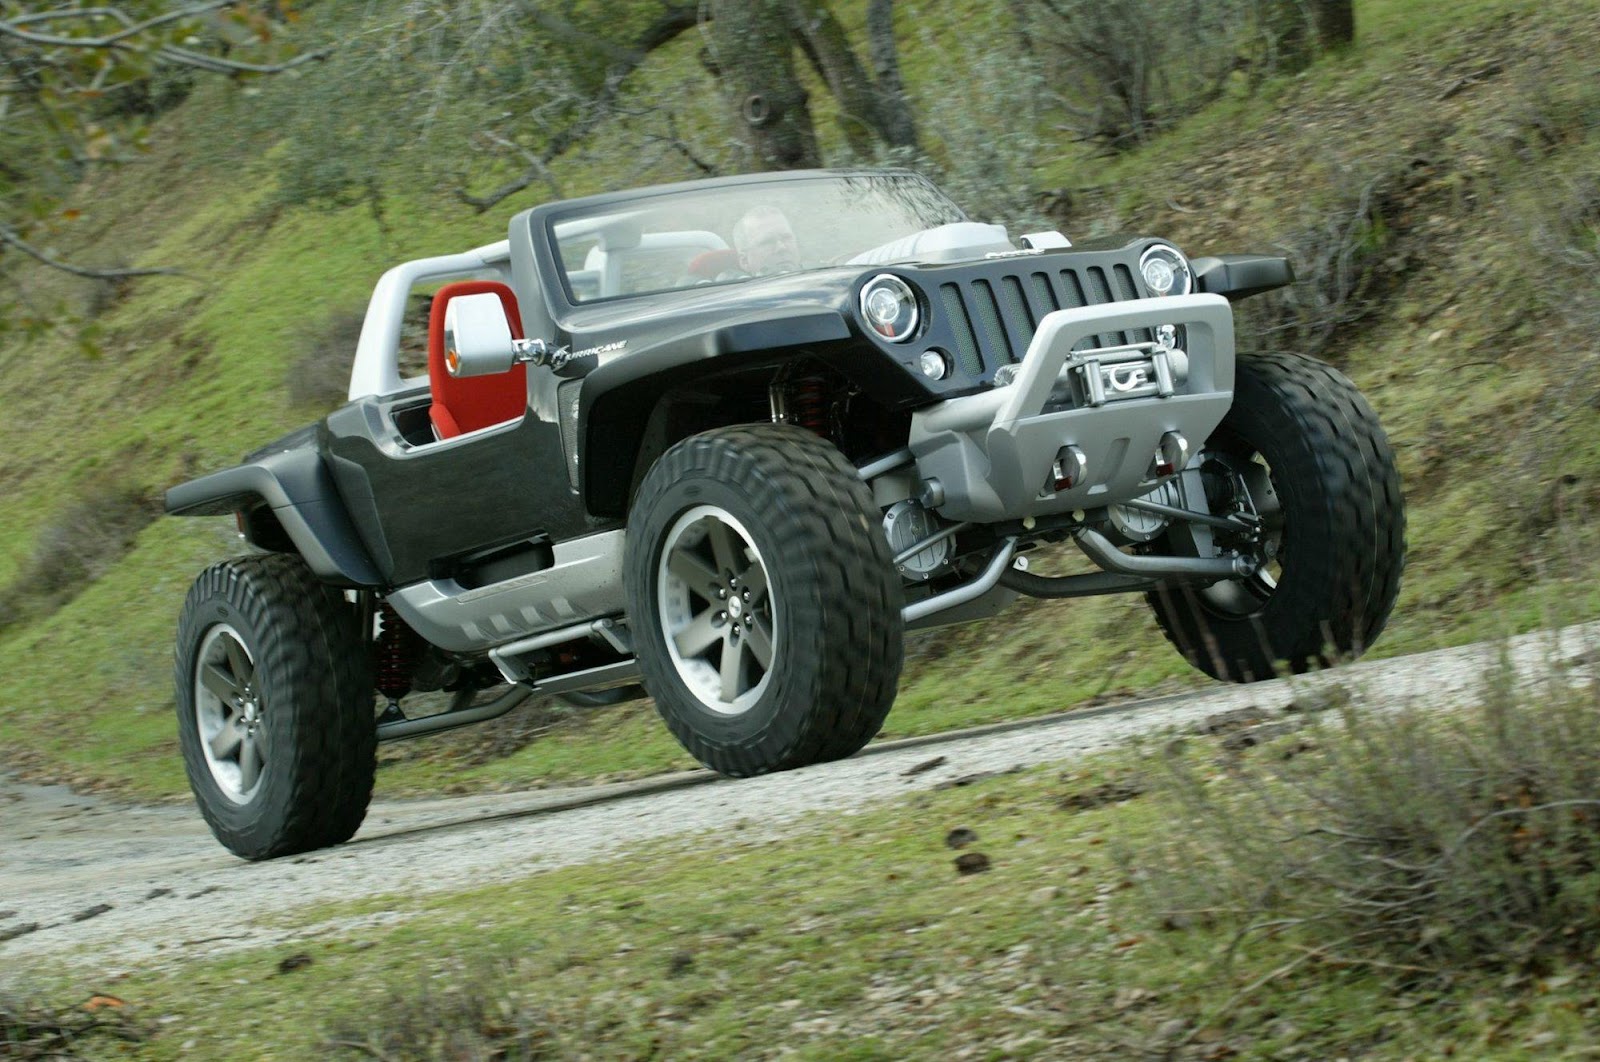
x=624, y=410
x=287, y=503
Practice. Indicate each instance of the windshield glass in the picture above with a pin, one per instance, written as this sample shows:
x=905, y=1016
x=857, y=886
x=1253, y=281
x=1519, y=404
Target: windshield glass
x=732, y=233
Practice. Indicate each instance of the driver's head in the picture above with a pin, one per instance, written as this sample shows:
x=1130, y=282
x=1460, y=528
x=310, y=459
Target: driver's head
x=765, y=242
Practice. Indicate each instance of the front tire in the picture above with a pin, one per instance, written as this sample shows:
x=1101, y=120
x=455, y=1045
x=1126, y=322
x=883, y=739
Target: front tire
x=275, y=696
x=1301, y=446
x=763, y=599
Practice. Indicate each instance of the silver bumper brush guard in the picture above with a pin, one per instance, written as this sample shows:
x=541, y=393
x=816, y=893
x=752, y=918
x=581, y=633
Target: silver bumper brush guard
x=1120, y=422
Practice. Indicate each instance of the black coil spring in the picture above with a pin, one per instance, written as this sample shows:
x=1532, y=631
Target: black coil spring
x=396, y=653
x=809, y=404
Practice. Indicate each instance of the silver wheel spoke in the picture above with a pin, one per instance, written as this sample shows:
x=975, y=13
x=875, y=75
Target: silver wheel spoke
x=227, y=739
x=696, y=573
x=701, y=634
x=759, y=639
x=714, y=606
x=220, y=683
x=239, y=662
x=732, y=670
x=249, y=763
x=725, y=548
x=227, y=713
x=754, y=579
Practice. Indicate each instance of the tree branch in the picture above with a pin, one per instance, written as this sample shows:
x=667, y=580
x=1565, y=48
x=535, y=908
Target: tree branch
x=13, y=238
x=536, y=171
x=213, y=64
x=674, y=20
x=10, y=27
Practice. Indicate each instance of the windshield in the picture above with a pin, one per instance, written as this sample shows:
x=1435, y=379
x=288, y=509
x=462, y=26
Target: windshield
x=730, y=233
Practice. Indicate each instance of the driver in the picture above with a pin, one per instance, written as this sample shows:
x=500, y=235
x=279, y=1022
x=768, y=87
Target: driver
x=765, y=242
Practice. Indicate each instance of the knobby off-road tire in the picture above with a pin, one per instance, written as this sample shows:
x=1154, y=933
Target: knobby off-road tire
x=766, y=528
x=1339, y=527
x=275, y=701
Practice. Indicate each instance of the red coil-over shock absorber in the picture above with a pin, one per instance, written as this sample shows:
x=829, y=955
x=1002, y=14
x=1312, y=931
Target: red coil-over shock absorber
x=396, y=653
x=809, y=398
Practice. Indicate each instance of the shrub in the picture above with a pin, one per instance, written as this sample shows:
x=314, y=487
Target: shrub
x=76, y=548
x=1123, y=71
x=29, y=1031
x=1406, y=840
x=472, y=1015
x=1348, y=255
x=320, y=377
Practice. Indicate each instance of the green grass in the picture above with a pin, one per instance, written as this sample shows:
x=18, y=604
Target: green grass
x=855, y=937
x=1499, y=467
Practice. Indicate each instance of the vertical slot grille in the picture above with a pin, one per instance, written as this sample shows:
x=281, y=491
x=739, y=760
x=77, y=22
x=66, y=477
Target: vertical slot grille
x=1100, y=293
x=1019, y=318
x=961, y=324
x=994, y=330
x=1044, y=296
x=993, y=321
x=1074, y=290
x=1126, y=292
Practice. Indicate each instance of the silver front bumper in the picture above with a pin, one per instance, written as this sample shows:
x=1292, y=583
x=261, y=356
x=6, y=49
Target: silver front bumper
x=993, y=453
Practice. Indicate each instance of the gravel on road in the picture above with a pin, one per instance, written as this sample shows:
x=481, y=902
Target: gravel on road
x=87, y=882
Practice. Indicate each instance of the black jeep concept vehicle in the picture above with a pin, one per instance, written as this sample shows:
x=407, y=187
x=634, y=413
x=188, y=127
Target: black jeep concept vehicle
x=726, y=442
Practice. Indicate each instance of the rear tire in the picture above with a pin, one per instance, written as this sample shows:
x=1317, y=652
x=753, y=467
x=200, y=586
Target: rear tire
x=763, y=599
x=1324, y=474
x=275, y=699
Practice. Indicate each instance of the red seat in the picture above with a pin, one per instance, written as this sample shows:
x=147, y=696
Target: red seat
x=467, y=403
x=709, y=265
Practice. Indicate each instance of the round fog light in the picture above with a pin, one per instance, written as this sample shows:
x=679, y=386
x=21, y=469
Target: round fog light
x=935, y=364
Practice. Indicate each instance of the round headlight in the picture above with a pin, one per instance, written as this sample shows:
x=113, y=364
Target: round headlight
x=890, y=307
x=1166, y=271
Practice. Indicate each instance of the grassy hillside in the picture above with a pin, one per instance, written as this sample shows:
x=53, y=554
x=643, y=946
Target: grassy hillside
x=1435, y=183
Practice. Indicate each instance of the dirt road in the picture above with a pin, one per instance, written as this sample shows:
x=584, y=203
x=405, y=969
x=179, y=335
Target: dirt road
x=114, y=886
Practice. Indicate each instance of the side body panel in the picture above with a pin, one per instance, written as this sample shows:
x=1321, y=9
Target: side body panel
x=417, y=508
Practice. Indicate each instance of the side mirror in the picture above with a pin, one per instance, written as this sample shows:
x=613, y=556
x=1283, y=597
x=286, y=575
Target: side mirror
x=477, y=336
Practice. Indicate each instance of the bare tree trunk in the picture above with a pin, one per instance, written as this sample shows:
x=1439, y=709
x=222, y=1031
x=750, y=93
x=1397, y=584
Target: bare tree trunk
x=1335, y=22
x=1287, y=27
x=872, y=108
x=828, y=47
x=896, y=124
x=755, y=56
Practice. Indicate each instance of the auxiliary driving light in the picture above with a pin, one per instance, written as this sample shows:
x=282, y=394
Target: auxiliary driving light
x=890, y=307
x=1171, y=455
x=1069, y=469
x=935, y=364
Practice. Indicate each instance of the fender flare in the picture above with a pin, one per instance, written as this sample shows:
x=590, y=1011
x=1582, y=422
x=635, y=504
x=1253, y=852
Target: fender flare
x=618, y=396
x=299, y=490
